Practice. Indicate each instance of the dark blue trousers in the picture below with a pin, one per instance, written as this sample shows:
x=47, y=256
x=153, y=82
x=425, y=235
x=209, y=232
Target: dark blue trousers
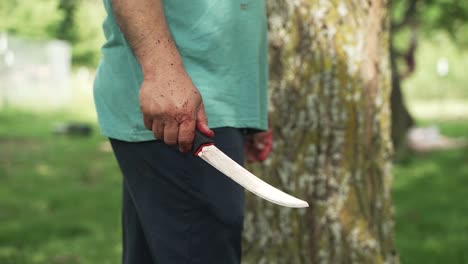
x=177, y=209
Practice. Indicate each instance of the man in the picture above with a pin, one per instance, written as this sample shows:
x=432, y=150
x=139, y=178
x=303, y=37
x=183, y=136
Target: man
x=168, y=68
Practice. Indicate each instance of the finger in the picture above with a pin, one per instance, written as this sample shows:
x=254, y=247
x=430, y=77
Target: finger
x=259, y=145
x=186, y=135
x=260, y=140
x=158, y=129
x=148, y=122
x=202, y=122
x=171, y=133
x=268, y=142
x=263, y=155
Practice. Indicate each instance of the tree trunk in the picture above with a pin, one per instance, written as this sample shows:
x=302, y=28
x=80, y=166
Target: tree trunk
x=401, y=118
x=330, y=87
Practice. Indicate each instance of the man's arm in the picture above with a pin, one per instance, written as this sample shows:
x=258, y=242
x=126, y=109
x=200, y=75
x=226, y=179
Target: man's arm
x=172, y=106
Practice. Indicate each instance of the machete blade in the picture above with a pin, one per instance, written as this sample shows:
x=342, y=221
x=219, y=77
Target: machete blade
x=237, y=173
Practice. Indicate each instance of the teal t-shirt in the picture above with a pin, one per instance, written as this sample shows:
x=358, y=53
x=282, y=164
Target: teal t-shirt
x=223, y=45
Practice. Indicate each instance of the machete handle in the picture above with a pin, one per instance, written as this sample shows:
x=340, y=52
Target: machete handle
x=200, y=141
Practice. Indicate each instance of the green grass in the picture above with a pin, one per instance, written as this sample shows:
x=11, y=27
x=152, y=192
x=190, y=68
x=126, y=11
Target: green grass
x=431, y=202
x=60, y=197
x=431, y=190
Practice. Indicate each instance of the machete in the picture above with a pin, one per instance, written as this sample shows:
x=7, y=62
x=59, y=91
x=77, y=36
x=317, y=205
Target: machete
x=204, y=148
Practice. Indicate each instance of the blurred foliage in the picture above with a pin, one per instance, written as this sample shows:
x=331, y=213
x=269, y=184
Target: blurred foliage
x=450, y=15
x=433, y=15
x=426, y=83
x=27, y=18
x=79, y=21
x=89, y=17
x=76, y=21
x=428, y=36
x=66, y=29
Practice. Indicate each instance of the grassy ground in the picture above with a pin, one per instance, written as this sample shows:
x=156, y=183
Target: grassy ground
x=430, y=190
x=60, y=198
x=430, y=193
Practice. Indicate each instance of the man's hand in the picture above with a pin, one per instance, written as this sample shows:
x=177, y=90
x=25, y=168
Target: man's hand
x=172, y=107
x=258, y=146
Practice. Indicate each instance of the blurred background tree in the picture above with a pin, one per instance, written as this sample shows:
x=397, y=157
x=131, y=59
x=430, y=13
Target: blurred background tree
x=410, y=20
x=76, y=21
x=30, y=19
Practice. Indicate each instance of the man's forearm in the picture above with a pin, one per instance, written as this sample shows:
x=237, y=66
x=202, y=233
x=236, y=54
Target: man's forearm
x=144, y=26
x=170, y=103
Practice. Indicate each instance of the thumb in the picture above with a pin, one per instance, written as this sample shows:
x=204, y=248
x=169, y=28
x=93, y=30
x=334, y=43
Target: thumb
x=202, y=122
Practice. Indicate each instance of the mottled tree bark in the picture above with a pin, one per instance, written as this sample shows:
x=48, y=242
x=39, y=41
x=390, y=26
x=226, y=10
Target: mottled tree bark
x=330, y=95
